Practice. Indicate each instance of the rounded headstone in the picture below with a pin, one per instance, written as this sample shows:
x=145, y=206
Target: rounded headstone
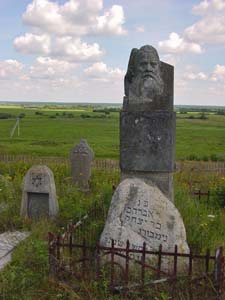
x=39, y=194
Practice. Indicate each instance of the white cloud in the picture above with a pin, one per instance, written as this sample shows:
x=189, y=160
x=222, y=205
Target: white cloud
x=73, y=49
x=111, y=22
x=75, y=17
x=176, y=44
x=210, y=30
x=10, y=69
x=100, y=72
x=48, y=68
x=208, y=7
x=140, y=29
x=193, y=76
x=67, y=47
x=218, y=73
x=33, y=44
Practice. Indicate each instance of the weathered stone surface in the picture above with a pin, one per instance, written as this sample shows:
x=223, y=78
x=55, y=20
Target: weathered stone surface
x=147, y=141
x=148, y=82
x=39, y=193
x=81, y=157
x=8, y=241
x=164, y=181
x=141, y=213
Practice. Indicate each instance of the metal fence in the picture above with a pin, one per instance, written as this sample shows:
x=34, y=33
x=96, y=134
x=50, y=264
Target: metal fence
x=125, y=268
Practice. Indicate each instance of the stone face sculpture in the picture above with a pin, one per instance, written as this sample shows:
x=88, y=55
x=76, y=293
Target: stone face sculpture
x=39, y=194
x=143, y=79
x=148, y=83
x=81, y=157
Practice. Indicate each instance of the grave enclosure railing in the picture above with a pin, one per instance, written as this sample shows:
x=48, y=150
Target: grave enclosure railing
x=115, y=263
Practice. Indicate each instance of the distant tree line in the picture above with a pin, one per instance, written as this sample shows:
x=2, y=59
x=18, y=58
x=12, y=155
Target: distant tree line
x=11, y=116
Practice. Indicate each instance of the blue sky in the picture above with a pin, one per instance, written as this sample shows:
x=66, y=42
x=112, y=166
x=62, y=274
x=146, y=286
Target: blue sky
x=78, y=50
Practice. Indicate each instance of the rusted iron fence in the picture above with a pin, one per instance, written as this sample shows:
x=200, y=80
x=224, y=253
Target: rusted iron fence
x=125, y=268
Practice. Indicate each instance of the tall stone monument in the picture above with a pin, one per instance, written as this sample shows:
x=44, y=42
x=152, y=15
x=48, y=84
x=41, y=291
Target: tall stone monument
x=142, y=208
x=39, y=194
x=81, y=157
x=147, y=121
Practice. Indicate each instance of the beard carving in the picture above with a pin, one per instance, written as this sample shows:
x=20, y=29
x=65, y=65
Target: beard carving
x=146, y=87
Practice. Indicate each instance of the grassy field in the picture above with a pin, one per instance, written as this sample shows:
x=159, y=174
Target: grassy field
x=52, y=131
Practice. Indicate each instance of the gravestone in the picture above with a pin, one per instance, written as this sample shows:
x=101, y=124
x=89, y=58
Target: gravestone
x=140, y=213
x=142, y=208
x=39, y=194
x=81, y=157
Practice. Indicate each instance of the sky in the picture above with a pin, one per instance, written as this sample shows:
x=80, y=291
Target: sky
x=78, y=50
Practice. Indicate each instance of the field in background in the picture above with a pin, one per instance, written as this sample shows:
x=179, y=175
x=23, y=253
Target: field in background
x=53, y=130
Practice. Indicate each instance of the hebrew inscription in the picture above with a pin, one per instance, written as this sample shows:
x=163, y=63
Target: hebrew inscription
x=143, y=219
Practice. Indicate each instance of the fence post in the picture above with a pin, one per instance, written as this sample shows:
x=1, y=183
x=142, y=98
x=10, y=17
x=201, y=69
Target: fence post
x=190, y=263
x=83, y=258
x=159, y=261
x=219, y=272
x=143, y=264
x=70, y=248
x=58, y=248
x=175, y=262
x=127, y=262
x=51, y=254
x=207, y=257
x=112, y=265
x=97, y=261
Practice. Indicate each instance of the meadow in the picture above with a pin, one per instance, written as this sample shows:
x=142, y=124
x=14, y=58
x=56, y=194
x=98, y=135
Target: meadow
x=52, y=131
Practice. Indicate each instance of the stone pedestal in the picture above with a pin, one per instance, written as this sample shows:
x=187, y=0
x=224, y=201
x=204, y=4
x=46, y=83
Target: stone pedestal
x=39, y=194
x=147, y=147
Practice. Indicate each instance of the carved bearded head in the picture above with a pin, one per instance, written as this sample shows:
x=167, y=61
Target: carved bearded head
x=143, y=79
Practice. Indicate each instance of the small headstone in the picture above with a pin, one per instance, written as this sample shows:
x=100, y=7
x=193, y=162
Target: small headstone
x=81, y=157
x=39, y=194
x=140, y=212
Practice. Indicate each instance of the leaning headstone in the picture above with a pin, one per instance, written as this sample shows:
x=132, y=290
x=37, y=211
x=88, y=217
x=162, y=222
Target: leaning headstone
x=81, y=157
x=142, y=208
x=39, y=194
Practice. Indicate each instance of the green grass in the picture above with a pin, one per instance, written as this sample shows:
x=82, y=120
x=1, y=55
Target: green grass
x=41, y=135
